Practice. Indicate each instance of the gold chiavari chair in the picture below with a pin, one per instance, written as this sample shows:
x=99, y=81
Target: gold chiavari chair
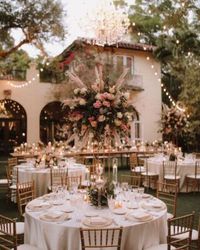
x=192, y=180
x=8, y=235
x=101, y=238
x=179, y=226
x=73, y=181
x=151, y=178
x=168, y=194
x=136, y=169
x=170, y=174
x=12, y=179
x=25, y=194
x=196, y=237
x=134, y=181
x=57, y=176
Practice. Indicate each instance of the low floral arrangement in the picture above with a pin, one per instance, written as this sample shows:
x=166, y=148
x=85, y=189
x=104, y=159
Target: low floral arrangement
x=107, y=189
x=99, y=111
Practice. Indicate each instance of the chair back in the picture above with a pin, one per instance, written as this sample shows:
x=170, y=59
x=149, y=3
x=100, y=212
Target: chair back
x=101, y=238
x=168, y=194
x=57, y=176
x=170, y=168
x=25, y=194
x=134, y=160
x=134, y=181
x=197, y=169
x=177, y=227
x=73, y=181
x=8, y=236
x=12, y=162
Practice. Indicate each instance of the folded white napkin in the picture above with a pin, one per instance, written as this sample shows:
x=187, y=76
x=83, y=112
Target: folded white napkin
x=97, y=220
x=120, y=210
x=140, y=215
x=53, y=215
x=38, y=203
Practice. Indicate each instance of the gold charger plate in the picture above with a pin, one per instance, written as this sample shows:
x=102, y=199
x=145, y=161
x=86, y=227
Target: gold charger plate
x=97, y=222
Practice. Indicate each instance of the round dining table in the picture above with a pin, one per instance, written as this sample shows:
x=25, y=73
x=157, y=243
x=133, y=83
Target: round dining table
x=41, y=175
x=53, y=221
x=185, y=166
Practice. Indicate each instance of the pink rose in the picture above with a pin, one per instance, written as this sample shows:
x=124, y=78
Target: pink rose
x=91, y=118
x=97, y=104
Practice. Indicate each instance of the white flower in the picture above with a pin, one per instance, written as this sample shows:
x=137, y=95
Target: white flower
x=82, y=101
x=119, y=115
x=101, y=118
x=98, y=96
x=83, y=91
x=126, y=95
x=76, y=91
x=112, y=89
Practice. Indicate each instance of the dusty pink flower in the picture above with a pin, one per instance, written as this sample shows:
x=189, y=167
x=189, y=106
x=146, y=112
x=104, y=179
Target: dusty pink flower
x=91, y=118
x=97, y=104
x=106, y=104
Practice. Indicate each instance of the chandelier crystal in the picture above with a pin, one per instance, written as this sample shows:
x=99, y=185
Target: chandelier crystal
x=106, y=23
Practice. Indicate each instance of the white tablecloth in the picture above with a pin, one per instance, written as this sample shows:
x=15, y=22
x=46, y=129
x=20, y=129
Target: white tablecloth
x=136, y=235
x=41, y=176
x=184, y=167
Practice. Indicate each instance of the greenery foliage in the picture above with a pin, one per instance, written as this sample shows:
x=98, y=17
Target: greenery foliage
x=173, y=27
x=38, y=21
x=107, y=189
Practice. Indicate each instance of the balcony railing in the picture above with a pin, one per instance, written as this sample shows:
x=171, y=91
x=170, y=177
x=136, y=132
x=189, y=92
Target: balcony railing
x=14, y=75
x=136, y=82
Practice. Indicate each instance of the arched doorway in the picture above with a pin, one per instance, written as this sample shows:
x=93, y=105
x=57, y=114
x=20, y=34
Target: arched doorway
x=52, y=122
x=13, y=125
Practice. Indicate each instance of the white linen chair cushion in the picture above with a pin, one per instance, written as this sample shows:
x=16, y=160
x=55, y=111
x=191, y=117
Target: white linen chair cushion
x=171, y=177
x=149, y=174
x=192, y=176
x=19, y=228
x=13, y=186
x=27, y=247
x=159, y=247
x=138, y=169
x=3, y=181
x=185, y=235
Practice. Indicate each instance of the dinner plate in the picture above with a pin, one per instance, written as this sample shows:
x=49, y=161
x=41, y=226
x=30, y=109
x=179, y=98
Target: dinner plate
x=146, y=196
x=154, y=206
x=38, y=206
x=91, y=214
x=141, y=217
x=119, y=211
x=97, y=222
x=66, y=209
x=57, y=202
x=54, y=217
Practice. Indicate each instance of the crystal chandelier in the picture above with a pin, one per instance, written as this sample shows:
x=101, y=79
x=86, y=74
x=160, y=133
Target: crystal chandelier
x=106, y=23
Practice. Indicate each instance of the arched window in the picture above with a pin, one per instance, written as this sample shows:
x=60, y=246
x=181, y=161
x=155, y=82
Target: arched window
x=13, y=125
x=136, y=128
x=52, y=122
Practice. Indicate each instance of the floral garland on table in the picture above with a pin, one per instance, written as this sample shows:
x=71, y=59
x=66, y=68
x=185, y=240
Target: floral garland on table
x=99, y=112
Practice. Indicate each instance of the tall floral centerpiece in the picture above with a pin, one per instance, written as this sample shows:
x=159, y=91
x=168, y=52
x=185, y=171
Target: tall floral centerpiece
x=100, y=112
x=174, y=123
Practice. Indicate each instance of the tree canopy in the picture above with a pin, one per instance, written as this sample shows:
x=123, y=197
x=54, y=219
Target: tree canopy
x=38, y=21
x=173, y=27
